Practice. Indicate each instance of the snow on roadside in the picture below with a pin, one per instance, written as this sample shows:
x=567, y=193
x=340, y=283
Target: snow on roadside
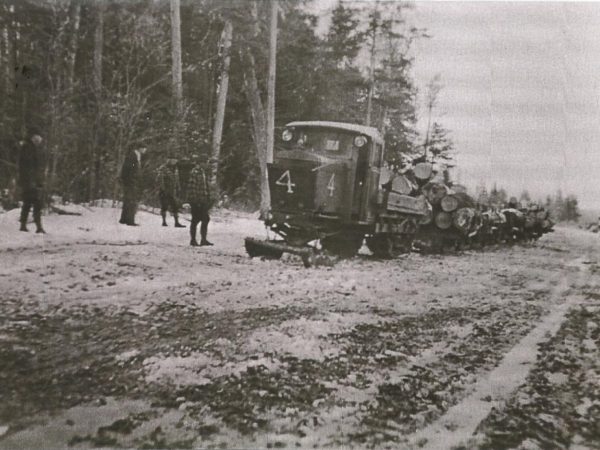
x=102, y=224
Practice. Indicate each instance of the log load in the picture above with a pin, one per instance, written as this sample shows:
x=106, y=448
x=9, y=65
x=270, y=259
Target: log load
x=428, y=217
x=462, y=219
x=423, y=171
x=459, y=188
x=402, y=184
x=515, y=223
x=401, y=203
x=452, y=202
x=443, y=220
x=536, y=221
x=435, y=192
x=493, y=223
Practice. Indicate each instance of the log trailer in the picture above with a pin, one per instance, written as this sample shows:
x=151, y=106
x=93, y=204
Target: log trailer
x=327, y=195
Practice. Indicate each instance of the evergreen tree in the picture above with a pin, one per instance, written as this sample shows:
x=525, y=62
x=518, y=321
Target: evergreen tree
x=440, y=146
x=571, y=209
x=483, y=198
x=525, y=198
x=343, y=38
x=339, y=80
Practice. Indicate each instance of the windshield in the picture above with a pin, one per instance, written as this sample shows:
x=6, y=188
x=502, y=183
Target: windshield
x=322, y=141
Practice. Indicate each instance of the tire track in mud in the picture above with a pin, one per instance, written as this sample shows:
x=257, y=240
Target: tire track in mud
x=459, y=424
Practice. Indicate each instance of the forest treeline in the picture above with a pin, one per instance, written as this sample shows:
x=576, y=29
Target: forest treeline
x=100, y=77
x=97, y=78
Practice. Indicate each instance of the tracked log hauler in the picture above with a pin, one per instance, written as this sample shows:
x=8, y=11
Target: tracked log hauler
x=330, y=190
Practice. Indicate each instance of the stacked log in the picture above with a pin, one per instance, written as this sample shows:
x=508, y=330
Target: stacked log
x=428, y=217
x=402, y=184
x=463, y=218
x=435, y=192
x=443, y=220
x=423, y=172
x=455, y=218
x=536, y=222
x=515, y=223
x=452, y=202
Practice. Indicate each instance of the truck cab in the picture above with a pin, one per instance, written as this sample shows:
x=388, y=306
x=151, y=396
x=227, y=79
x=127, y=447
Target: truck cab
x=327, y=169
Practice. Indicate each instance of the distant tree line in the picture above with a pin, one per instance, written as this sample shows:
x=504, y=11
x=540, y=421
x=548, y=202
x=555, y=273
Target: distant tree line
x=562, y=208
x=99, y=77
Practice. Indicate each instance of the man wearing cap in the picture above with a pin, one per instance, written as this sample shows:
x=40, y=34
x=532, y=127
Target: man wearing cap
x=198, y=194
x=168, y=191
x=31, y=180
x=131, y=173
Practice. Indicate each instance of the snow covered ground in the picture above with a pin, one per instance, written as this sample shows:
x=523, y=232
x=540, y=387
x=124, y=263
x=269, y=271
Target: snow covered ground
x=121, y=336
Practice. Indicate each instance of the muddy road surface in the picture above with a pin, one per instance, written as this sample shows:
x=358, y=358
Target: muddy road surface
x=112, y=336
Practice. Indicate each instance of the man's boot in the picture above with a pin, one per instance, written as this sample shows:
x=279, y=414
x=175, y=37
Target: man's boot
x=23, y=227
x=204, y=241
x=38, y=225
x=193, y=241
x=177, y=224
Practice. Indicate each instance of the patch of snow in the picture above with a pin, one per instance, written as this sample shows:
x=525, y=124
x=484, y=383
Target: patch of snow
x=178, y=370
x=303, y=338
x=126, y=356
x=557, y=378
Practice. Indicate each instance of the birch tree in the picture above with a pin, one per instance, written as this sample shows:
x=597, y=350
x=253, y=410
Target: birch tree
x=225, y=45
x=257, y=111
x=176, y=70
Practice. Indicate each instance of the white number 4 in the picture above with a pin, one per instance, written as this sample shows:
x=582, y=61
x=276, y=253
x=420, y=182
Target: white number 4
x=286, y=180
x=331, y=185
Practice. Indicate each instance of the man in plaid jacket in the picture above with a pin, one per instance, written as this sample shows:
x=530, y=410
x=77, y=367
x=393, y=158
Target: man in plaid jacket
x=198, y=194
x=168, y=191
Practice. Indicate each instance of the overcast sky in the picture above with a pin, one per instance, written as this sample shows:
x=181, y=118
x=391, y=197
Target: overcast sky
x=521, y=91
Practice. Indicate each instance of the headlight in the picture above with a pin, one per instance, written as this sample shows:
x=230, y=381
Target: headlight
x=287, y=135
x=359, y=141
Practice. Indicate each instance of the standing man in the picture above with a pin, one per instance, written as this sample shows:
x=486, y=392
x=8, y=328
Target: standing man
x=131, y=173
x=31, y=180
x=168, y=191
x=200, y=201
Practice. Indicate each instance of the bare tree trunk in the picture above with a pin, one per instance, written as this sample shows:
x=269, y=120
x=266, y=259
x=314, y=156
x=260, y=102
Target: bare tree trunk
x=259, y=119
x=426, y=145
x=271, y=81
x=257, y=112
x=20, y=95
x=372, y=68
x=221, y=101
x=371, y=84
x=74, y=39
x=5, y=56
x=98, y=46
x=97, y=80
x=176, y=58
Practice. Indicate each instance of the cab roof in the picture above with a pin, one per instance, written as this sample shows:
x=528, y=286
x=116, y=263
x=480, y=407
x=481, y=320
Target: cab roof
x=371, y=132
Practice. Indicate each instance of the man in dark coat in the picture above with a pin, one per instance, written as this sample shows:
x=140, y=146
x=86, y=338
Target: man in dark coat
x=169, y=191
x=198, y=194
x=131, y=172
x=31, y=180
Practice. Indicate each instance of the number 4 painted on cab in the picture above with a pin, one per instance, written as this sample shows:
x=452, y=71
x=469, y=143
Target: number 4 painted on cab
x=286, y=180
x=331, y=185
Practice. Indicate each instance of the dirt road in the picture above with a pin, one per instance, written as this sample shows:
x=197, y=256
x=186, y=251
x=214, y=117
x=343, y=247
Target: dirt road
x=118, y=336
